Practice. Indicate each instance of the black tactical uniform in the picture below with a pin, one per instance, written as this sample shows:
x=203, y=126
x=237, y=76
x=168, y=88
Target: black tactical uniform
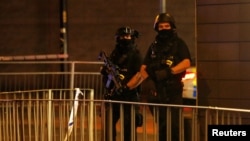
x=128, y=59
x=165, y=52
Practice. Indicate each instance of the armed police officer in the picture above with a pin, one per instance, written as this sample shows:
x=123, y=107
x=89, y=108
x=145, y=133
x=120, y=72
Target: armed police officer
x=165, y=64
x=128, y=60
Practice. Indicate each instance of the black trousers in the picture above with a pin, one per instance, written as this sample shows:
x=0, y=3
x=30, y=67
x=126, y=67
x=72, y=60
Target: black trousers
x=115, y=113
x=167, y=94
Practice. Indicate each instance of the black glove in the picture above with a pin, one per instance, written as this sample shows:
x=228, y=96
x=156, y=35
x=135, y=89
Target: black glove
x=104, y=70
x=162, y=74
x=123, y=89
x=150, y=69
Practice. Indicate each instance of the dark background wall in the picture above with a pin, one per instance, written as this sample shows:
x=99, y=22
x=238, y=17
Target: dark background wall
x=223, y=59
x=33, y=27
x=92, y=24
x=29, y=27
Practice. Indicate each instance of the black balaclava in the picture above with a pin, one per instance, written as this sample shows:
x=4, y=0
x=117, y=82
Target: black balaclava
x=165, y=34
x=125, y=42
x=124, y=45
x=163, y=39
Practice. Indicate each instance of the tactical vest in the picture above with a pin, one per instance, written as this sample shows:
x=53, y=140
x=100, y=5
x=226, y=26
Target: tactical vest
x=166, y=55
x=123, y=59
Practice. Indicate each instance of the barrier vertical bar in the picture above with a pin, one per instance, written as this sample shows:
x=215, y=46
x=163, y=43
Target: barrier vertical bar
x=91, y=115
x=72, y=79
x=49, y=115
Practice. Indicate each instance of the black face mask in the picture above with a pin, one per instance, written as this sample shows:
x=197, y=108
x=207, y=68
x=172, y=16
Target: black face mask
x=165, y=34
x=125, y=42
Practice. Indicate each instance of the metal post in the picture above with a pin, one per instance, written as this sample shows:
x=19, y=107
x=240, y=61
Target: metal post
x=72, y=79
x=162, y=6
x=63, y=38
x=63, y=26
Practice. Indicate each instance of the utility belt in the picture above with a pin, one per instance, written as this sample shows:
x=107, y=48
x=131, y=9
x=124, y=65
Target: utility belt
x=170, y=84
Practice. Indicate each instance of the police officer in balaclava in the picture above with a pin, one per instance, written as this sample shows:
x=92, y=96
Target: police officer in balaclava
x=128, y=60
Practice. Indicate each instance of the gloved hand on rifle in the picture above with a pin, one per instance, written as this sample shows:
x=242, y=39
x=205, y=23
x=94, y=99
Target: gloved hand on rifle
x=158, y=72
x=123, y=89
x=163, y=74
x=104, y=70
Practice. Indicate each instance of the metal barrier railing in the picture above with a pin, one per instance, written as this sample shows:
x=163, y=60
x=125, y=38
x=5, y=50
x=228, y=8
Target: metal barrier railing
x=35, y=75
x=42, y=114
x=36, y=104
x=39, y=115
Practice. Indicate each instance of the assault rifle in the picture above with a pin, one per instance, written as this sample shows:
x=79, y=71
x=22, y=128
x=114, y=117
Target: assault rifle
x=113, y=72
